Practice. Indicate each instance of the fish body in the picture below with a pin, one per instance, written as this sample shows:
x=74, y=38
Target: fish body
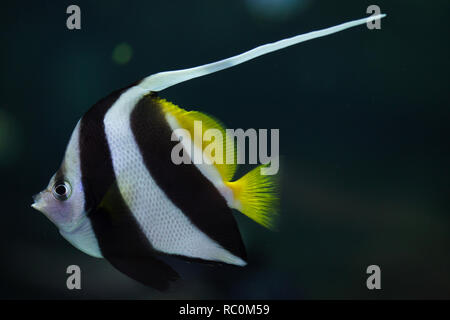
x=138, y=204
x=119, y=195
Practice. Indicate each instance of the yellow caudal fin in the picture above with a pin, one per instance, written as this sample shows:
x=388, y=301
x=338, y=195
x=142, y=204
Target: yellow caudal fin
x=256, y=196
x=187, y=119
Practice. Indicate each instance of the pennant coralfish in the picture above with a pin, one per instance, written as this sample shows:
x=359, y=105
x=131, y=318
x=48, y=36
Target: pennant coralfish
x=119, y=196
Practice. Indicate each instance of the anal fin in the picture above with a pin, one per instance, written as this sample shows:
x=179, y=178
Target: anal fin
x=147, y=270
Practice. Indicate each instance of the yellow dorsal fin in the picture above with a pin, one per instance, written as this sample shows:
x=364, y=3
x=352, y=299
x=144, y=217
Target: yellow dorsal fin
x=186, y=121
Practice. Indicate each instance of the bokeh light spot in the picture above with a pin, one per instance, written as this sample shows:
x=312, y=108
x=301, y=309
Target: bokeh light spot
x=276, y=9
x=122, y=53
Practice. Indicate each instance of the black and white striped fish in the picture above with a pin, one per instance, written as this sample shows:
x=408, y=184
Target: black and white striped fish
x=118, y=194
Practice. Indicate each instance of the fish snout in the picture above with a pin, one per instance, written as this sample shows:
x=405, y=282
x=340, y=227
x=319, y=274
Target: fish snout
x=37, y=198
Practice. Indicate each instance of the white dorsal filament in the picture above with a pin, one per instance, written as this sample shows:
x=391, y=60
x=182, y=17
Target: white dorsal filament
x=163, y=80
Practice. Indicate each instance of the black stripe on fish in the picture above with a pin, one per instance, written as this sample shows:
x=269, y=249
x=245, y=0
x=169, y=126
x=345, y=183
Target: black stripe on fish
x=97, y=173
x=60, y=174
x=119, y=236
x=125, y=246
x=183, y=184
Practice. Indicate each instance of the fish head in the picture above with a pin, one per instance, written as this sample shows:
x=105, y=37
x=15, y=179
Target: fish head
x=63, y=199
x=61, y=202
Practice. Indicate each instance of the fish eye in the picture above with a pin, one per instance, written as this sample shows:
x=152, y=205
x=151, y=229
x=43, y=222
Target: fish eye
x=62, y=190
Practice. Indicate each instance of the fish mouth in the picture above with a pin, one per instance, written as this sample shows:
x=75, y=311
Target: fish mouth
x=37, y=207
x=40, y=205
x=36, y=197
x=37, y=202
